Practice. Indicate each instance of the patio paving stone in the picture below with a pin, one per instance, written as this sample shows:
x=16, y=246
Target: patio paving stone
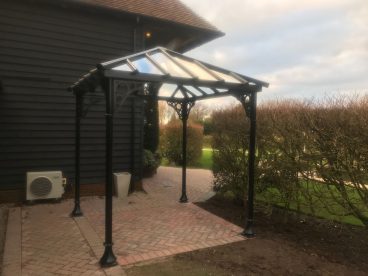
x=153, y=225
x=146, y=226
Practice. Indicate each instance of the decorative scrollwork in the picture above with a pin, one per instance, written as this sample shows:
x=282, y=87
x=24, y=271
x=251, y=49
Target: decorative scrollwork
x=244, y=99
x=123, y=90
x=182, y=108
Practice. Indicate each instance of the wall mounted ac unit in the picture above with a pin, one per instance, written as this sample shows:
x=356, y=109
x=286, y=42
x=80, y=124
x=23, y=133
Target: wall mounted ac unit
x=44, y=185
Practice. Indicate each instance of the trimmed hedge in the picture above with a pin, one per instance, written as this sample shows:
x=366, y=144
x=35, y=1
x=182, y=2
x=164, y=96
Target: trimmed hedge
x=311, y=157
x=171, y=142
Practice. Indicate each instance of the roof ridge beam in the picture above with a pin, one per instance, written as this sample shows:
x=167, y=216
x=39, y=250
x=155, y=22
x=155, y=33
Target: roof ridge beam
x=155, y=63
x=186, y=70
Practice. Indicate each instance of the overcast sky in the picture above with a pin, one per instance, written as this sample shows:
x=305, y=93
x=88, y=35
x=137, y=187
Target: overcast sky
x=304, y=48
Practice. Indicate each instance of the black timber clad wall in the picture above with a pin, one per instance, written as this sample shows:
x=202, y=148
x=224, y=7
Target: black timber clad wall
x=43, y=50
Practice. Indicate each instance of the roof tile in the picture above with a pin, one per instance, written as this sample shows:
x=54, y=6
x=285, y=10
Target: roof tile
x=171, y=10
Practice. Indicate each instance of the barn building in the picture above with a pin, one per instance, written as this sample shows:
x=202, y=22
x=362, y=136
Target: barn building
x=45, y=45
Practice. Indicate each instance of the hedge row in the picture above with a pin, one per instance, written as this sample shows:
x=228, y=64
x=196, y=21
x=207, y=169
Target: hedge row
x=311, y=157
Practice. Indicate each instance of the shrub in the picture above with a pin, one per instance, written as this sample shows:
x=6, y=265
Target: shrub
x=208, y=126
x=151, y=121
x=311, y=157
x=171, y=142
x=230, y=159
x=151, y=162
x=340, y=155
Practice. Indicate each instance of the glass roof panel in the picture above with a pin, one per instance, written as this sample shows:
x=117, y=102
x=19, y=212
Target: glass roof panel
x=179, y=94
x=167, y=90
x=169, y=66
x=201, y=79
x=225, y=77
x=193, y=90
x=145, y=66
x=207, y=90
x=195, y=69
x=123, y=67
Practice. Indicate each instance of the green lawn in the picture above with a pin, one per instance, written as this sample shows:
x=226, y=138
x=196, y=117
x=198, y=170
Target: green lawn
x=320, y=196
x=272, y=195
x=205, y=162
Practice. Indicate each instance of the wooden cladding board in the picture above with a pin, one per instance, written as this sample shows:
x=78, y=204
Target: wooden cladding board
x=43, y=50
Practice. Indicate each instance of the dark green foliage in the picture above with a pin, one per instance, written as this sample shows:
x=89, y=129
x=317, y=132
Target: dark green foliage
x=151, y=124
x=171, y=142
x=230, y=161
x=208, y=126
x=150, y=160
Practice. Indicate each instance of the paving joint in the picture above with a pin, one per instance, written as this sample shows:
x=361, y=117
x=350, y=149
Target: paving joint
x=12, y=259
x=96, y=244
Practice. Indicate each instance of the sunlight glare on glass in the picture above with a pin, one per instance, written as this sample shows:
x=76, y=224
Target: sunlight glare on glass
x=167, y=90
x=195, y=69
x=145, y=66
x=193, y=90
x=123, y=67
x=225, y=77
x=169, y=66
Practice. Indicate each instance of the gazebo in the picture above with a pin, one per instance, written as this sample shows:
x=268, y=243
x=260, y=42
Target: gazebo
x=182, y=81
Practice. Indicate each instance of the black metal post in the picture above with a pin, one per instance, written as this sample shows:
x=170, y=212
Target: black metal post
x=77, y=211
x=132, y=147
x=248, y=232
x=184, y=198
x=108, y=259
x=183, y=110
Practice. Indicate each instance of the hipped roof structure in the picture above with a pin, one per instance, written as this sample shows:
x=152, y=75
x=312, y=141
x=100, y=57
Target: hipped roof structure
x=183, y=78
x=187, y=80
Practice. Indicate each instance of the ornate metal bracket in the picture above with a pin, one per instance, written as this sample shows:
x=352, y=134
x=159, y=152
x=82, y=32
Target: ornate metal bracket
x=244, y=99
x=123, y=90
x=182, y=108
x=151, y=89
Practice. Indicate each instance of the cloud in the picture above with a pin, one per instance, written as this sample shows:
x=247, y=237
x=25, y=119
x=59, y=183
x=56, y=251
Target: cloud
x=303, y=48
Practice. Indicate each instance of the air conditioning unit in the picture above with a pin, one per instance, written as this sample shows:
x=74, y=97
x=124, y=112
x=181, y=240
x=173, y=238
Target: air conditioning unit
x=44, y=185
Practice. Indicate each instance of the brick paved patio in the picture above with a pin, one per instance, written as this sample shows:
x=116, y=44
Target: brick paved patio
x=146, y=226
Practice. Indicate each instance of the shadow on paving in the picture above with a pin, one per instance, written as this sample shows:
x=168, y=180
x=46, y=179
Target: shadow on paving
x=301, y=246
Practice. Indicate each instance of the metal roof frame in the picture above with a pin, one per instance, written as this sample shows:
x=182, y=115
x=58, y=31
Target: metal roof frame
x=160, y=65
x=193, y=80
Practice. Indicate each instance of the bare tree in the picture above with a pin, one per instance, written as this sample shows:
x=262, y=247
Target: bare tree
x=165, y=112
x=199, y=113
